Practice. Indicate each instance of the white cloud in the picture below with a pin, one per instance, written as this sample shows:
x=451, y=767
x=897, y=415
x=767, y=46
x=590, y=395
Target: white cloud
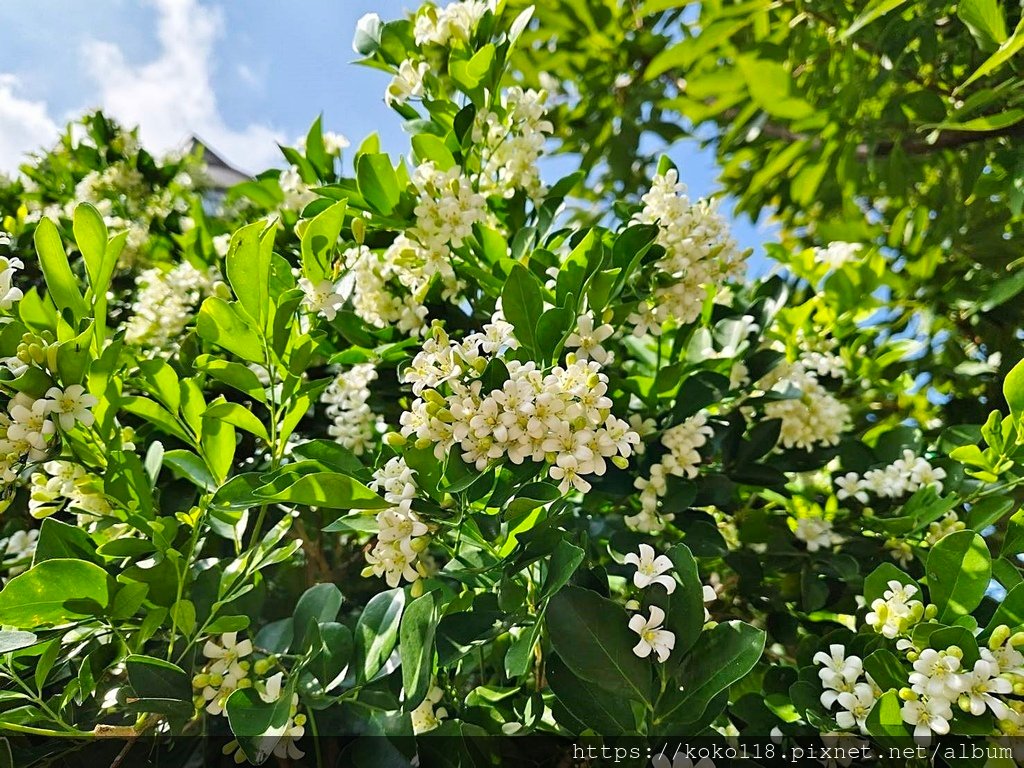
x=172, y=96
x=25, y=125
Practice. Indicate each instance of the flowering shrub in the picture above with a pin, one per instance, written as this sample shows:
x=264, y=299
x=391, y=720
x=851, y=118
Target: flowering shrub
x=366, y=449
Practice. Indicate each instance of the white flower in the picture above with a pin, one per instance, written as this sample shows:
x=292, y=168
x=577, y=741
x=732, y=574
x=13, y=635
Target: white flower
x=567, y=469
x=652, y=636
x=849, y=487
x=226, y=654
x=71, y=405
x=927, y=716
x=8, y=292
x=855, y=707
x=407, y=84
x=816, y=533
x=980, y=684
x=427, y=716
x=935, y=675
x=837, y=666
x=334, y=143
x=370, y=25
x=586, y=339
x=19, y=548
x=320, y=299
x=709, y=596
x=651, y=569
x=814, y=418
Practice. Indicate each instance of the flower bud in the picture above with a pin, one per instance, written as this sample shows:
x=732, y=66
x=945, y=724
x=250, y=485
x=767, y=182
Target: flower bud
x=955, y=652
x=931, y=611
x=201, y=680
x=998, y=637
x=417, y=589
x=358, y=230
x=907, y=694
x=395, y=439
x=262, y=666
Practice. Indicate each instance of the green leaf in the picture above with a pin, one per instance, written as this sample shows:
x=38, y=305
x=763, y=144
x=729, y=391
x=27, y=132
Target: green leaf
x=378, y=182
x=376, y=631
x=331, y=490
x=720, y=657
x=429, y=147
x=236, y=375
x=222, y=323
x=984, y=19
x=54, y=592
x=60, y=280
x=416, y=647
x=1006, y=51
x=686, y=604
x=1013, y=390
x=91, y=237
x=248, y=269
x=561, y=566
x=885, y=720
x=469, y=74
x=996, y=122
x=874, y=11
x=256, y=724
x=959, y=570
x=589, y=704
x=239, y=416
x=153, y=678
x=885, y=669
x=592, y=636
x=319, y=236
x=12, y=640
x=522, y=304
x=318, y=605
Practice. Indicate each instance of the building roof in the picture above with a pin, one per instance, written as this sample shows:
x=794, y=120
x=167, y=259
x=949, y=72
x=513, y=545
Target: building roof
x=220, y=172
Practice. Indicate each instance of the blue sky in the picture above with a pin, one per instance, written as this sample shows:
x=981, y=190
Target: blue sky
x=242, y=75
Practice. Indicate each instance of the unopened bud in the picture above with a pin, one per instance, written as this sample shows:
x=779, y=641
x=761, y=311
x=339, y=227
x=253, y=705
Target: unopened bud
x=907, y=695
x=416, y=590
x=395, y=439
x=999, y=636
x=931, y=611
x=358, y=230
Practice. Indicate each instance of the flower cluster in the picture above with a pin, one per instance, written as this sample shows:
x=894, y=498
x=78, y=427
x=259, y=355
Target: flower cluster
x=354, y=425
x=28, y=425
x=67, y=482
x=847, y=685
x=165, y=303
x=388, y=288
x=401, y=535
x=407, y=82
x=906, y=475
x=455, y=23
x=699, y=254
x=562, y=417
x=447, y=209
x=681, y=460
x=297, y=193
x=511, y=140
x=815, y=417
x=896, y=612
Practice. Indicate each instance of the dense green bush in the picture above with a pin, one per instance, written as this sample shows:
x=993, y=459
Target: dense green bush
x=367, y=453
